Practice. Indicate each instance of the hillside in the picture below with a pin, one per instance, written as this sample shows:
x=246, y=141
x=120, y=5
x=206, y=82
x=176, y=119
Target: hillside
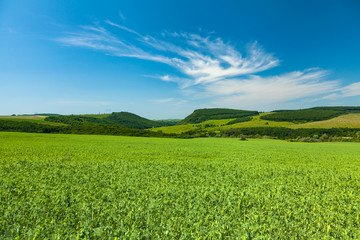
x=201, y=115
x=40, y=119
x=120, y=119
x=351, y=120
x=310, y=114
x=334, y=121
x=223, y=124
x=347, y=121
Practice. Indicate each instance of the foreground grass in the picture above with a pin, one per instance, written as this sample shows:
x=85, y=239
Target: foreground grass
x=102, y=187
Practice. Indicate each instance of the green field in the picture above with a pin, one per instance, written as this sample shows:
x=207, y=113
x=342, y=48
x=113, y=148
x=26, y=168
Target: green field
x=206, y=125
x=217, y=125
x=30, y=118
x=351, y=120
x=103, y=187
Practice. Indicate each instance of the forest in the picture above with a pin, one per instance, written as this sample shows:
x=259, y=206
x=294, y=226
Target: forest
x=120, y=119
x=201, y=115
x=310, y=114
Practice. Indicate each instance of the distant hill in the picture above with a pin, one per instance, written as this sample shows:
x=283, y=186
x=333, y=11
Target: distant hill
x=120, y=119
x=168, y=122
x=310, y=114
x=201, y=115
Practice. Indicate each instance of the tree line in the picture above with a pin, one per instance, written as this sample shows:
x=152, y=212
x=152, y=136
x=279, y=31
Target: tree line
x=85, y=128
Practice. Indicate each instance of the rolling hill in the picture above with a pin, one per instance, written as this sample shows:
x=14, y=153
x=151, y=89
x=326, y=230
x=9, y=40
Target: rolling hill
x=317, y=117
x=351, y=120
x=201, y=115
x=120, y=119
x=310, y=114
x=202, y=122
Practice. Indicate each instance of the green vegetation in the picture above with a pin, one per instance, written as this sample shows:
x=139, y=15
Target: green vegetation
x=256, y=121
x=120, y=119
x=209, y=124
x=299, y=134
x=84, y=128
x=106, y=187
x=168, y=122
x=29, y=118
x=202, y=115
x=303, y=115
x=311, y=114
x=222, y=125
x=239, y=120
x=351, y=120
x=24, y=118
x=340, y=108
x=255, y=126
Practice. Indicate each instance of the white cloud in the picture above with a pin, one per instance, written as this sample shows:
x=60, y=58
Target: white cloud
x=257, y=90
x=212, y=68
x=122, y=27
x=202, y=59
x=98, y=38
x=351, y=90
x=347, y=91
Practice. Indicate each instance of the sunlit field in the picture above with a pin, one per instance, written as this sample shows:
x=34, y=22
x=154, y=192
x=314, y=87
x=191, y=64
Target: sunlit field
x=106, y=187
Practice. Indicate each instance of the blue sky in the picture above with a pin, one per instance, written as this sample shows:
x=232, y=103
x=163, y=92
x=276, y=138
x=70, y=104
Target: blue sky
x=163, y=59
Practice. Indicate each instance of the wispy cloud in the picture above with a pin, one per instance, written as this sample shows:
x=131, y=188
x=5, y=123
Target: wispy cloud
x=347, y=91
x=256, y=91
x=122, y=16
x=211, y=67
x=351, y=90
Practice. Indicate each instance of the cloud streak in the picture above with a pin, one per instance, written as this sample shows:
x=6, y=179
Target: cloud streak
x=212, y=68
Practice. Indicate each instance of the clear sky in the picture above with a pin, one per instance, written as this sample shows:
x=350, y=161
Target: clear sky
x=163, y=59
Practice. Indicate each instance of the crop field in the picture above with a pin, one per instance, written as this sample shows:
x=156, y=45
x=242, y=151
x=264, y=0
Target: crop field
x=106, y=187
x=30, y=118
x=36, y=119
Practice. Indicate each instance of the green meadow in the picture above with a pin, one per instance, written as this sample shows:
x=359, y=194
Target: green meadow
x=55, y=186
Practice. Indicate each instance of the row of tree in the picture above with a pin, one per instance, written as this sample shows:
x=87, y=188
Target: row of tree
x=120, y=119
x=301, y=134
x=84, y=128
x=310, y=114
x=201, y=115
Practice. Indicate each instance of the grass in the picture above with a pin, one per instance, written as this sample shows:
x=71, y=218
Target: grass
x=351, y=120
x=102, y=187
x=216, y=125
x=27, y=117
x=189, y=127
x=257, y=122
